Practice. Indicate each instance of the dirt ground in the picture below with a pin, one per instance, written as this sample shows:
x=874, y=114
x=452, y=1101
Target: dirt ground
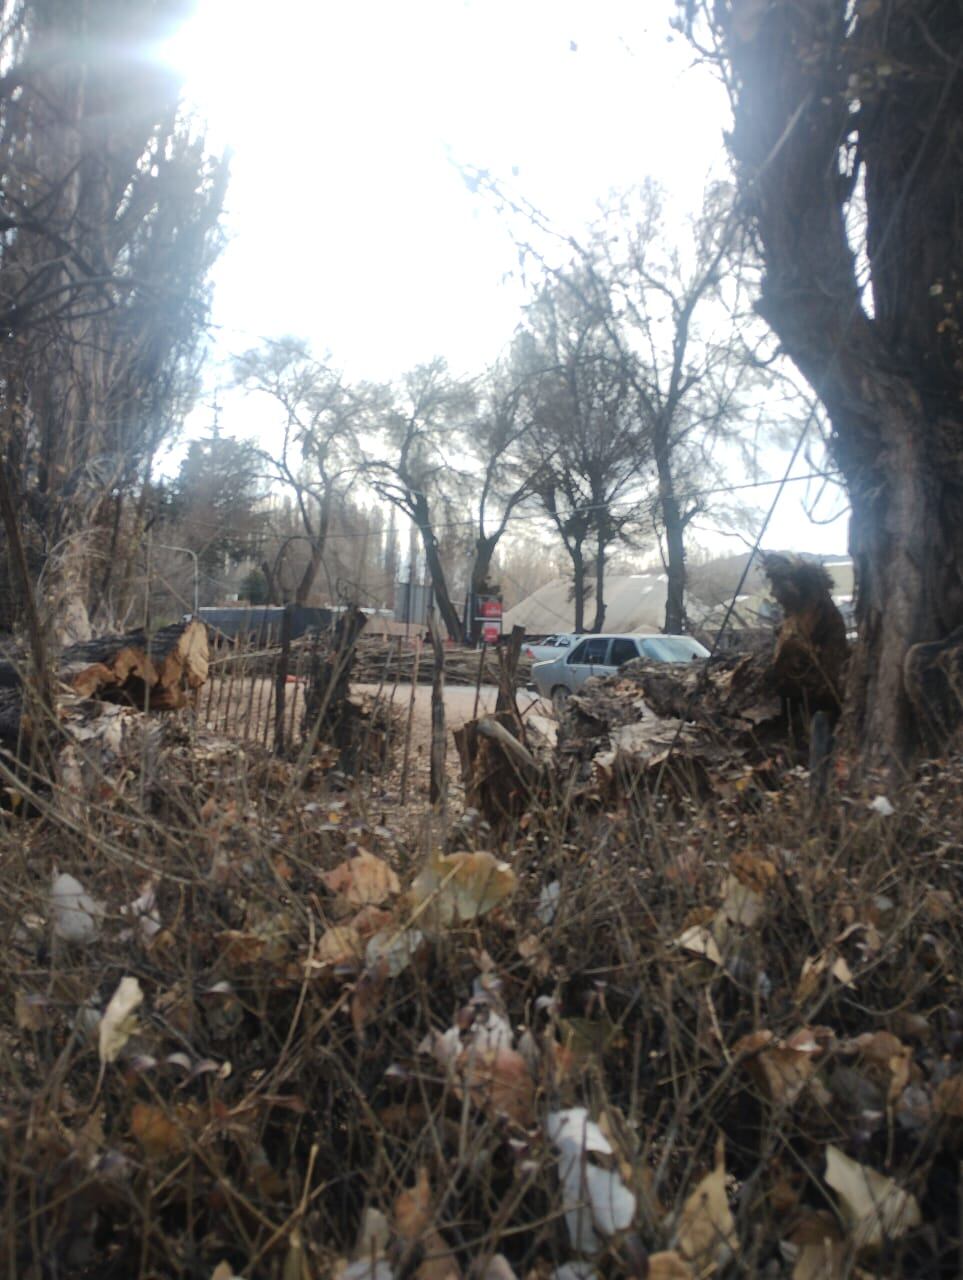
x=244, y=708
x=459, y=704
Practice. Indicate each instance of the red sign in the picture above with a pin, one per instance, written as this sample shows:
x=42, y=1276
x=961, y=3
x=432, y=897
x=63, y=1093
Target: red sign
x=491, y=632
x=488, y=607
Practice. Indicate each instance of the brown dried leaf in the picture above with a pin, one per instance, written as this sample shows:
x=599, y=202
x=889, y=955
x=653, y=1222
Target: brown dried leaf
x=706, y=1232
x=412, y=1208
x=462, y=886
x=821, y=1251
x=341, y=944
x=890, y=1061
x=371, y=920
x=364, y=880
x=782, y=1068
x=668, y=1266
x=156, y=1132
x=948, y=1098
x=873, y=1205
x=754, y=872
x=741, y=904
x=31, y=1012
x=499, y=1080
x=440, y=1262
x=813, y=970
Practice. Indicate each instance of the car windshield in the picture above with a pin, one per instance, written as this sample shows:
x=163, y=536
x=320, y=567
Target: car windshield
x=673, y=648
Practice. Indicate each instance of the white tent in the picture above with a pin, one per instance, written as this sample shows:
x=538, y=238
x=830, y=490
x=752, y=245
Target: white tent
x=633, y=603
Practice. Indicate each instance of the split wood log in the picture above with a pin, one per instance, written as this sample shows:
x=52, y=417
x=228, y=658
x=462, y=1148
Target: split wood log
x=157, y=672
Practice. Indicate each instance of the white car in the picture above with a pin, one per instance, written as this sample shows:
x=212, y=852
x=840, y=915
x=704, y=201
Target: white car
x=550, y=647
x=603, y=655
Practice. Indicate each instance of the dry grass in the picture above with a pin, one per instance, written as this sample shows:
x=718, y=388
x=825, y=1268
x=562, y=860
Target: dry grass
x=275, y=1093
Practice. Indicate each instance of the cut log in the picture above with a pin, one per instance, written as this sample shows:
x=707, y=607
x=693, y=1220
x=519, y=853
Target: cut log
x=158, y=671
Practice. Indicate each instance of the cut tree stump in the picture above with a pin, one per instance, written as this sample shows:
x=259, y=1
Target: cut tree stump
x=158, y=671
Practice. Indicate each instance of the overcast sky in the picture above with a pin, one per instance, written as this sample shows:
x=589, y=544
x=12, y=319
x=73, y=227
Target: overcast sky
x=350, y=224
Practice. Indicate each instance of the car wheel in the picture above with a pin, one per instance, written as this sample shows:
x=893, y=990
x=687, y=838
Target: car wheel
x=560, y=695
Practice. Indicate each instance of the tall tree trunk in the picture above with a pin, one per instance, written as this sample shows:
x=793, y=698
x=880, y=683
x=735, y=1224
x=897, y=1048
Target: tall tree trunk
x=318, y=543
x=449, y=614
x=306, y=582
x=674, y=545
x=273, y=596
x=601, y=548
x=480, y=584
x=578, y=583
x=887, y=379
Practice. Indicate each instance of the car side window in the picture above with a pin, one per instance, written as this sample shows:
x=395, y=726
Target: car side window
x=590, y=653
x=623, y=650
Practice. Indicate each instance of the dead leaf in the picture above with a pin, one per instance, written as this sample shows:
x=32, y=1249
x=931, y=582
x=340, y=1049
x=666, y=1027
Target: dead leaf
x=753, y=871
x=412, y=1208
x=873, y=1205
x=341, y=944
x=156, y=1132
x=439, y=1262
x=499, y=1080
x=668, y=1266
x=374, y=1235
x=118, y=1023
x=497, y=1267
x=371, y=920
x=706, y=1232
x=741, y=904
x=889, y=1060
x=814, y=967
x=462, y=886
x=820, y=1248
x=948, y=1098
x=364, y=880
x=783, y=1068
x=31, y=1012
x=700, y=941
x=223, y=1271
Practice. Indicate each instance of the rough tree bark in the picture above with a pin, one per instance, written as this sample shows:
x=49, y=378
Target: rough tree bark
x=578, y=582
x=808, y=79
x=674, y=526
x=600, y=556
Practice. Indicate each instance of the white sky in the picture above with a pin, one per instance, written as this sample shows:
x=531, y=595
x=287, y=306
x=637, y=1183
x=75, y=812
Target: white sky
x=349, y=224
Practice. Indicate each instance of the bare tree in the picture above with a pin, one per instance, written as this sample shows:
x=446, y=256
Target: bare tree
x=675, y=312
x=587, y=445
x=847, y=148
x=507, y=473
x=416, y=429
x=317, y=457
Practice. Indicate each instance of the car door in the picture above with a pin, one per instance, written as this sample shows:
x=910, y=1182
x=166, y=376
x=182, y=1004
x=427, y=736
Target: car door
x=624, y=649
x=586, y=659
